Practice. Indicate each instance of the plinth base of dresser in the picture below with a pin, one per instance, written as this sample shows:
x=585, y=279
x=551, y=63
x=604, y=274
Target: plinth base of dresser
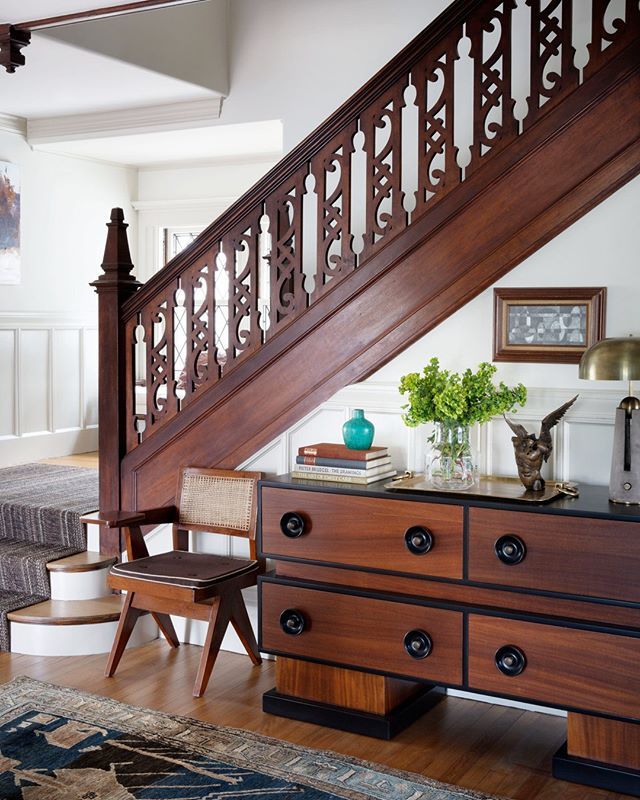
x=379, y=726
x=612, y=777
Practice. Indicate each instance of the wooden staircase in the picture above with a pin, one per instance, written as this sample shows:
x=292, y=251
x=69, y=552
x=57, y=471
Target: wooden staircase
x=336, y=260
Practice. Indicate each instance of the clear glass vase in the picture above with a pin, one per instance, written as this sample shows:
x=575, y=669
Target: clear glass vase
x=451, y=462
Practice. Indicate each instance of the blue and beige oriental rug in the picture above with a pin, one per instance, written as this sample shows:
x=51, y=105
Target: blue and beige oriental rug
x=61, y=744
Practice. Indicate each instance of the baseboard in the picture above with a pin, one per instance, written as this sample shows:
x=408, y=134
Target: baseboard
x=24, y=449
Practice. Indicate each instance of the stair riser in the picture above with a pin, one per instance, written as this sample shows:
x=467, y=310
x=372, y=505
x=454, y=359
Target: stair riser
x=75, y=640
x=79, y=585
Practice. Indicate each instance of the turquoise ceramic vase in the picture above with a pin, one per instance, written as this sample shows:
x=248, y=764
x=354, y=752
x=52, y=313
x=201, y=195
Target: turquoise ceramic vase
x=357, y=432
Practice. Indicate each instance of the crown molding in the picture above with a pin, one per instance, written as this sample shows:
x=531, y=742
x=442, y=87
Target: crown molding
x=195, y=203
x=124, y=122
x=269, y=158
x=11, y=124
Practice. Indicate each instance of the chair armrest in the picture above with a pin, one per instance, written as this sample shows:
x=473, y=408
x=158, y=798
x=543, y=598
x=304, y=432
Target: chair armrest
x=124, y=519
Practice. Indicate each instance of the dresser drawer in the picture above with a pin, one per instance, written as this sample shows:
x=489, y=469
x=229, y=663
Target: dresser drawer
x=572, y=555
x=362, y=632
x=375, y=533
x=577, y=669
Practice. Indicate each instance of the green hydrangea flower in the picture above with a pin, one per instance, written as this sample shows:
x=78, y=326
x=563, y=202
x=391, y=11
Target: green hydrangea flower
x=440, y=395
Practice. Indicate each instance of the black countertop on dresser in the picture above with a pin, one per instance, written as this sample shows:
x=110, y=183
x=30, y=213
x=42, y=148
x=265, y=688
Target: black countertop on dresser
x=592, y=502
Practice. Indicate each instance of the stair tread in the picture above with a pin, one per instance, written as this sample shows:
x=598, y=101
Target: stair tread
x=86, y=561
x=70, y=612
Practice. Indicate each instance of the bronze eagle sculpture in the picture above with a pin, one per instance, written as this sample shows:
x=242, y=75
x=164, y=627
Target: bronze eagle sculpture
x=532, y=451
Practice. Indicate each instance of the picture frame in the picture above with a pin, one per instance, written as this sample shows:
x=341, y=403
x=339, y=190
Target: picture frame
x=9, y=223
x=548, y=325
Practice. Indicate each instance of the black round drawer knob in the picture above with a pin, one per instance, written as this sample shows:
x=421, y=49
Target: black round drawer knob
x=292, y=621
x=510, y=549
x=510, y=660
x=419, y=540
x=292, y=524
x=418, y=644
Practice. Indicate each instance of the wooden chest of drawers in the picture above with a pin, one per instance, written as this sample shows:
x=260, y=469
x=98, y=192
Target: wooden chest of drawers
x=378, y=595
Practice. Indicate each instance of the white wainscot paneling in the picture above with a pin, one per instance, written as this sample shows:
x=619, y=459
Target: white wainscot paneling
x=8, y=340
x=34, y=384
x=588, y=449
x=49, y=368
x=89, y=342
x=66, y=376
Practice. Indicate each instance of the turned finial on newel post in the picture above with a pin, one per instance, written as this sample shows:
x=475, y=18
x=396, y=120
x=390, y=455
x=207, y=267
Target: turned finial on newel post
x=114, y=287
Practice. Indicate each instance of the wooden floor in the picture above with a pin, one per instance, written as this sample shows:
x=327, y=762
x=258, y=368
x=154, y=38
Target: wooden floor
x=490, y=748
x=78, y=460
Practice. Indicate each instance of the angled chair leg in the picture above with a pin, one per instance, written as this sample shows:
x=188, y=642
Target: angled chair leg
x=218, y=622
x=242, y=624
x=128, y=618
x=163, y=621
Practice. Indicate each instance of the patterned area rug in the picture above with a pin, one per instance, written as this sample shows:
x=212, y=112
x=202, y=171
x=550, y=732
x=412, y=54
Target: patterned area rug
x=40, y=510
x=61, y=744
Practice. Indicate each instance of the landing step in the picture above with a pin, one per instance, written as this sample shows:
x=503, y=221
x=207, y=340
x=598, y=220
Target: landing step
x=70, y=612
x=73, y=627
x=82, y=562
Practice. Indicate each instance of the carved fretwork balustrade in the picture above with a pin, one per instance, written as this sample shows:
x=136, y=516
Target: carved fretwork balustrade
x=480, y=78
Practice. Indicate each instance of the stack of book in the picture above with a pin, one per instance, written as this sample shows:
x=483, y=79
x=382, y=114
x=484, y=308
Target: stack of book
x=335, y=462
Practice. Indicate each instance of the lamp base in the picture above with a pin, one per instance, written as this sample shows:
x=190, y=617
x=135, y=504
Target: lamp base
x=624, y=485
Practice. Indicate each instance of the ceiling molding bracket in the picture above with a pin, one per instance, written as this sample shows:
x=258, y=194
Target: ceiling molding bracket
x=12, y=40
x=124, y=122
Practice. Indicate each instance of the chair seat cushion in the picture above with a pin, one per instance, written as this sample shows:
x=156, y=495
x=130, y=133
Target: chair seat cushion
x=189, y=570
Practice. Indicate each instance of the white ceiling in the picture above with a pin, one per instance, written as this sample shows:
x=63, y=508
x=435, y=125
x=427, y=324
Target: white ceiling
x=65, y=78
x=59, y=79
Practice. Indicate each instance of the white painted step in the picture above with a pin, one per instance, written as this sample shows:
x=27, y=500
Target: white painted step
x=80, y=577
x=73, y=627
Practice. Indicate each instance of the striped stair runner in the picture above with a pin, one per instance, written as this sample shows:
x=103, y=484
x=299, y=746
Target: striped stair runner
x=40, y=510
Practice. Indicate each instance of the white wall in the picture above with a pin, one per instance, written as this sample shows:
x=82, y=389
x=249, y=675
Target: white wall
x=47, y=322
x=65, y=206
x=299, y=61
x=186, y=196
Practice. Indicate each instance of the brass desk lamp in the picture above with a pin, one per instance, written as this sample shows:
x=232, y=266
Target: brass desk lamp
x=619, y=360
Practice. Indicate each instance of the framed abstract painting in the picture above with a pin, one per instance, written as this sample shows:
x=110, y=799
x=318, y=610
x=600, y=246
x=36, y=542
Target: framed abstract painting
x=9, y=223
x=547, y=325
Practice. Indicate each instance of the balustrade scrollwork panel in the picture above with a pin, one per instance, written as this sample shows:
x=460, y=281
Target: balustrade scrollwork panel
x=287, y=294
x=331, y=169
x=201, y=360
x=157, y=323
x=241, y=249
x=135, y=359
x=610, y=32
x=433, y=79
x=553, y=72
x=494, y=124
x=381, y=124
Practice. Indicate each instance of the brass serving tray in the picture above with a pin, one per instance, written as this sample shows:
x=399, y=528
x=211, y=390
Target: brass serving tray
x=488, y=488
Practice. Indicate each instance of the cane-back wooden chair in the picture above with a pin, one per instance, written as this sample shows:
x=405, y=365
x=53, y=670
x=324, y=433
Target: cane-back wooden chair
x=188, y=584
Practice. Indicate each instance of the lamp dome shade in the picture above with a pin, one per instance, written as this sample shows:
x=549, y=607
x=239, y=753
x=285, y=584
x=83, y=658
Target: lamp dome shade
x=612, y=360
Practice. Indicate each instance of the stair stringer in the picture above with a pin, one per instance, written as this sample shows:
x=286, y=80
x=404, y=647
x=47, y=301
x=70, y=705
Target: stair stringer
x=578, y=154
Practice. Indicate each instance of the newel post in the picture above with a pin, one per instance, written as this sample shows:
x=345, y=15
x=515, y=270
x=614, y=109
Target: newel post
x=113, y=287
